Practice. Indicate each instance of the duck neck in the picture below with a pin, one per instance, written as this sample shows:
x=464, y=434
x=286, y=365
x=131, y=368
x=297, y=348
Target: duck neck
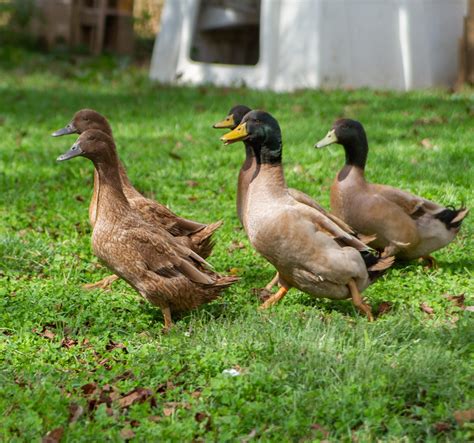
x=269, y=172
x=127, y=187
x=111, y=199
x=270, y=151
x=356, y=151
x=250, y=158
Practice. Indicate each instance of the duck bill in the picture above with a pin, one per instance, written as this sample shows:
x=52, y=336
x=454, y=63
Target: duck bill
x=328, y=140
x=73, y=152
x=238, y=134
x=69, y=129
x=228, y=122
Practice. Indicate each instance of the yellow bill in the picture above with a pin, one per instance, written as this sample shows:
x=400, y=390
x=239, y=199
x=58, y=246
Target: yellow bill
x=238, y=134
x=328, y=140
x=228, y=122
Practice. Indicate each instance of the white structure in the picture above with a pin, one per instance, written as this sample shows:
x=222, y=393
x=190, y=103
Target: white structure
x=291, y=44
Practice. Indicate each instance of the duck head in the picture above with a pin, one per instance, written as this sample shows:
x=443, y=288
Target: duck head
x=234, y=117
x=92, y=144
x=344, y=132
x=260, y=130
x=82, y=121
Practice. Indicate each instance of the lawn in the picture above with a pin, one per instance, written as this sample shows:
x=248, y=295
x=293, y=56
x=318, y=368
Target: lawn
x=95, y=366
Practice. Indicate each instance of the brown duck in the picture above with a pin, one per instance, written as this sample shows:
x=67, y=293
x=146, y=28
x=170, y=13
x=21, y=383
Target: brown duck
x=157, y=265
x=196, y=236
x=404, y=224
x=309, y=250
x=247, y=171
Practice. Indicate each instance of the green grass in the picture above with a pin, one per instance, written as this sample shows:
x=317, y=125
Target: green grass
x=310, y=369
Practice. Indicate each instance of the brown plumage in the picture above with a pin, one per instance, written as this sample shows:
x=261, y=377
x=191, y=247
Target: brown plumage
x=157, y=265
x=310, y=251
x=404, y=224
x=197, y=236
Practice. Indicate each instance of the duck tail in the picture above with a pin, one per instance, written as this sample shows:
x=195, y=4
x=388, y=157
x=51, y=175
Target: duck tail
x=215, y=289
x=202, y=241
x=376, y=264
x=452, y=217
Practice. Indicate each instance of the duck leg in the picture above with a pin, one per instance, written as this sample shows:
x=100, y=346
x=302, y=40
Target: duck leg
x=266, y=292
x=358, y=302
x=274, y=298
x=168, y=321
x=101, y=284
x=431, y=262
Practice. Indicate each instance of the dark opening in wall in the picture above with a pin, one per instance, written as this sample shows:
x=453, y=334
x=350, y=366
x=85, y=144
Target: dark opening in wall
x=227, y=31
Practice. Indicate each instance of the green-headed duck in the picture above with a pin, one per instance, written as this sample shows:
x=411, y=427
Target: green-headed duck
x=404, y=224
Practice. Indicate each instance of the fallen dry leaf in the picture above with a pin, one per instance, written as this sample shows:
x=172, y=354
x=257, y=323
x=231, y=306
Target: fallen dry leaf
x=462, y=417
x=154, y=418
x=167, y=412
x=75, y=412
x=192, y=183
x=163, y=387
x=321, y=429
x=196, y=394
x=45, y=333
x=89, y=388
x=426, y=143
x=115, y=345
x=425, y=308
x=250, y=436
x=138, y=395
x=171, y=406
x=456, y=300
x=442, y=426
x=469, y=308
x=127, y=434
x=68, y=342
x=384, y=307
x=203, y=417
x=53, y=436
x=235, y=245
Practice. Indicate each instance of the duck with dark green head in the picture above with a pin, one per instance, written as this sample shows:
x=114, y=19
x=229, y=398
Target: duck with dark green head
x=404, y=224
x=309, y=250
x=231, y=121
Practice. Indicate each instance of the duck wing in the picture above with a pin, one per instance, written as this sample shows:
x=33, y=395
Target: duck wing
x=325, y=224
x=305, y=199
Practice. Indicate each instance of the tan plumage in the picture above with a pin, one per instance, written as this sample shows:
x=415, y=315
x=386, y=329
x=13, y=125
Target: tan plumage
x=247, y=172
x=309, y=250
x=163, y=270
x=404, y=224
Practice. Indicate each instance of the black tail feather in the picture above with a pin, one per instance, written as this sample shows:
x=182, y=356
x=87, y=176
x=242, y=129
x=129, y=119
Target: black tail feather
x=376, y=264
x=452, y=217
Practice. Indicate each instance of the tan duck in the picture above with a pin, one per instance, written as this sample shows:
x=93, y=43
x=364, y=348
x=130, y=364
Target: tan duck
x=309, y=250
x=404, y=224
x=156, y=264
x=247, y=171
x=196, y=236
